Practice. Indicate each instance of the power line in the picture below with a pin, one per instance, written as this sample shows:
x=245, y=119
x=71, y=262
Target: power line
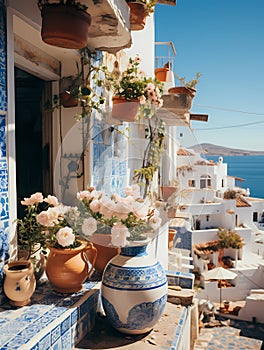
x=228, y=110
x=231, y=126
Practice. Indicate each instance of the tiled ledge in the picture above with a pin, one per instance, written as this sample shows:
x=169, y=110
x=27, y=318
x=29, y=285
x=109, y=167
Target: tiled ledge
x=52, y=321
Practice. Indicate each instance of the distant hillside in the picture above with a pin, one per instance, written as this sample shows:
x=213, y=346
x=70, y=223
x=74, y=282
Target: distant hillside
x=214, y=150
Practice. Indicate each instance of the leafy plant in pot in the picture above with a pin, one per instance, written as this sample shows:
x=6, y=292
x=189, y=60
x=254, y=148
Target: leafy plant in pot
x=187, y=87
x=65, y=23
x=76, y=90
x=134, y=94
x=139, y=10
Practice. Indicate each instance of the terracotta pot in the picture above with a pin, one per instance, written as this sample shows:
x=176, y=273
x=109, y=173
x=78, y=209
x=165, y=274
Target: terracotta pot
x=65, y=26
x=67, y=269
x=68, y=101
x=182, y=90
x=20, y=282
x=125, y=110
x=171, y=235
x=163, y=74
x=167, y=191
x=138, y=15
x=105, y=251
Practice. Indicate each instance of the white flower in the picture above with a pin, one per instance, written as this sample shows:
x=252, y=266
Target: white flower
x=52, y=200
x=133, y=191
x=141, y=209
x=89, y=226
x=65, y=236
x=34, y=198
x=107, y=208
x=119, y=235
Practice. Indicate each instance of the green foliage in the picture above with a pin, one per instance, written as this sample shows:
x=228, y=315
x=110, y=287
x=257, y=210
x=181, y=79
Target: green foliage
x=189, y=84
x=149, y=5
x=229, y=239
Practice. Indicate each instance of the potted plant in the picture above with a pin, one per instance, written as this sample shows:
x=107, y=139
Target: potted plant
x=179, y=98
x=76, y=90
x=134, y=94
x=139, y=10
x=65, y=23
x=132, y=279
x=31, y=240
x=170, y=189
x=188, y=87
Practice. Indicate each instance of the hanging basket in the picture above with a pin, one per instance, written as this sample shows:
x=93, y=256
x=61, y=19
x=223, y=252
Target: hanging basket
x=138, y=15
x=65, y=26
x=68, y=101
x=125, y=110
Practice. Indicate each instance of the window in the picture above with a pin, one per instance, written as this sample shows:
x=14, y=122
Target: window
x=191, y=183
x=205, y=181
x=255, y=216
x=223, y=184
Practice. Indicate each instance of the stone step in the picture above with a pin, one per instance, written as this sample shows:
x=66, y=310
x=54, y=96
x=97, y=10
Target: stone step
x=225, y=338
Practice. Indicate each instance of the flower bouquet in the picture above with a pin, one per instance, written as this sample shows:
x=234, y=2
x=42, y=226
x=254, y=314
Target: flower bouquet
x=129, y=220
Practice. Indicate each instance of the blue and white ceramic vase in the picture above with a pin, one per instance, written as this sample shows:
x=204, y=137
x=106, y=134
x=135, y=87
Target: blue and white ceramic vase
x=134, y=290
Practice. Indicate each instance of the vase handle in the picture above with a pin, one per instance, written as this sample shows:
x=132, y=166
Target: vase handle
x=88, y=251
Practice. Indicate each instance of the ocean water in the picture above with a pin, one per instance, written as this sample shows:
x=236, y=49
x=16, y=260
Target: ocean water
x=250, y=168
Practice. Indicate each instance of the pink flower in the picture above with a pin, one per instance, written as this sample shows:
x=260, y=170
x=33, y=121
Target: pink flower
x=133, y=191
x=84, y=195
x=142, y=100
x=89, y=226
x=119, y=235
x=50, y=217
x=95, y=205
x=52, y=200
x=65, y=236
x=122, y=209
x=155, y=220
x=107, y=207
x=34, y=198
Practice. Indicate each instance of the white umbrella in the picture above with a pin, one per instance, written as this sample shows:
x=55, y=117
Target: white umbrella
x=219, y=274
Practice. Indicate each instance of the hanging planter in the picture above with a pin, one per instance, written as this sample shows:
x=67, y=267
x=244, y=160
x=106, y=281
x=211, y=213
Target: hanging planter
x=68, y=101
x=138, y=15
x=125, y=110
x=65, y=25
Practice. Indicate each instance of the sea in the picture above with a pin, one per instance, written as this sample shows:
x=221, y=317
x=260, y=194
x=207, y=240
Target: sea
x=249, y=168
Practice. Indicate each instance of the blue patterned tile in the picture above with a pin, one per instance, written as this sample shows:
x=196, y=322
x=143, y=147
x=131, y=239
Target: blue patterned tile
x=66, y=340
x=66, y=324
x=45, y=342
x=55, y=334
x=2, y=137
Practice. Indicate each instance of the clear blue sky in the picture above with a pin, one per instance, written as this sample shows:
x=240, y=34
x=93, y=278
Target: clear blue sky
x=224, y=41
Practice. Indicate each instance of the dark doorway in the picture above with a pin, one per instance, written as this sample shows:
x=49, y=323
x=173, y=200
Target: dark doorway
x=29, y=92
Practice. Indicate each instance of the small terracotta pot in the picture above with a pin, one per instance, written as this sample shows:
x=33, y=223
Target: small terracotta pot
x=68, y=101
x=138, y=15
x=182, y=90
x=125, y=110
x=65, y=26
x=162, y=74
x=105, y=251
x=168, y=191
x=171, y=235
x=20, y=282
x=67, y=269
